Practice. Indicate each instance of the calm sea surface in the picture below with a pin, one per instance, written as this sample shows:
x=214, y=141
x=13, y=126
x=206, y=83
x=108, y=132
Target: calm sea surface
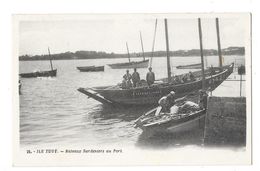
x=52, y=111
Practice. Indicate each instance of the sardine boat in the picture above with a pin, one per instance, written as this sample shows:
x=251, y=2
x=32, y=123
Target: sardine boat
x=206, y=79
x=91, y=68
x=150, y=95
x=152, y=124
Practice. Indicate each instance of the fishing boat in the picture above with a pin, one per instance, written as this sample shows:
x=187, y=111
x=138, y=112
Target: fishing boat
x=150, y=95
x=208, y=79
x=50, y=73
x=91, y=68
x=132, y=64
x=152, y=124
x=191, y=66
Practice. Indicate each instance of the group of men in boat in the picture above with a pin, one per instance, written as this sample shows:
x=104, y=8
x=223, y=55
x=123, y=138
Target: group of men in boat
x=169, y=103
x=133, y=80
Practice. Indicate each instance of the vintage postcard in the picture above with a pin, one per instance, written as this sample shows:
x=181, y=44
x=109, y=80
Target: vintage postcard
x=132, y=89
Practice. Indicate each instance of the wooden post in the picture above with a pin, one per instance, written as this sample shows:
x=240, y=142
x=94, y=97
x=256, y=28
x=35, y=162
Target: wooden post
x=201, y=54
x=240, y=84
x=151, y=60
x=167, y=51
x=128, y=52
x=50, y=58
x=219, y=46
x=142, y=45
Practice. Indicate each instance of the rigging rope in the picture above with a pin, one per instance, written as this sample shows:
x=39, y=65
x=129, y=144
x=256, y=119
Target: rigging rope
x=151, y=59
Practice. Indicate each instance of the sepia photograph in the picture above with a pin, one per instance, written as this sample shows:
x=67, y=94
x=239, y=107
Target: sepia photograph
x=132, y=89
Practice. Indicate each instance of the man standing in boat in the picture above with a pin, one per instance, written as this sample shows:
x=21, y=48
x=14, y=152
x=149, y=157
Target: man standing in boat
x=135, y=77
x=127, y=80
x=150, y=77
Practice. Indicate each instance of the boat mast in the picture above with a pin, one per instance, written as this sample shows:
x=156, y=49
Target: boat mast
x=142, y=45
x=219, y=46
x=50, y=58
x=201, y=54
x=155, y=28
x=128, y=52
x=167, y=51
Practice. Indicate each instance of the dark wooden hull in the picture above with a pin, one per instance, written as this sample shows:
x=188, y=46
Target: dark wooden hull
x=51, y=73
x=91, y=68
x=140, y=64
x=151, y=95
x=175, y=124
x=192, y=66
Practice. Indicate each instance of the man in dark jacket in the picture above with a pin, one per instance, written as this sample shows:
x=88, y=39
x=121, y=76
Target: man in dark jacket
x=150, y=77
x=135, y=77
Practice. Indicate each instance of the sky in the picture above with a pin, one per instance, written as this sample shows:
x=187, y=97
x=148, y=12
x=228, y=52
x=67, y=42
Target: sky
x=110, y=33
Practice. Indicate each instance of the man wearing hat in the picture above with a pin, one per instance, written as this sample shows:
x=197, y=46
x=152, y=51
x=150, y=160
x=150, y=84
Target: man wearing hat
x=150, y=77
x=135, y=77
x=166, y=102
x=127, y=79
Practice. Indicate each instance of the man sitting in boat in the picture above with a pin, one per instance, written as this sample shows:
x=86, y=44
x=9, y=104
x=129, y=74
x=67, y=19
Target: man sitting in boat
x=150, y=77
x=135, y=78
x=127, y=80
x=166, y=102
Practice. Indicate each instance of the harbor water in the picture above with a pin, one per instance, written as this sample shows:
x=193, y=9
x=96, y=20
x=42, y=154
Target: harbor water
x=53, y=112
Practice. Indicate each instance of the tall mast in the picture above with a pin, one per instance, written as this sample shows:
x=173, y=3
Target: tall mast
x=155, y=28
x=219, y=46
x=201, y=54
x=128, y=52
x=142, y=45
x=50, y=58
x=167, y=51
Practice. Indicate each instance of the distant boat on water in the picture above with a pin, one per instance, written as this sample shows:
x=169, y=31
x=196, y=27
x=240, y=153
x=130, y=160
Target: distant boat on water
x=191, y=66
x=138, y=64
x=132, y=64
x=91, y=68
x=50, y=73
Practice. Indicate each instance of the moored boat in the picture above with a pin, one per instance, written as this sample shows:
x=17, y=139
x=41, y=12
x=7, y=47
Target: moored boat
x=206, y=79
x=152, y=124
x=191, y=66
x=51, y=73
x=150, y=95
x=91, y=68
x=133, y=64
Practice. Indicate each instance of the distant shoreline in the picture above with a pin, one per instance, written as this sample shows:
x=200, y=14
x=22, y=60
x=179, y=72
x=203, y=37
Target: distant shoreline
x=79, y=55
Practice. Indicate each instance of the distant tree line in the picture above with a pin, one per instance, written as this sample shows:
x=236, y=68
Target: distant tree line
x=100, y=55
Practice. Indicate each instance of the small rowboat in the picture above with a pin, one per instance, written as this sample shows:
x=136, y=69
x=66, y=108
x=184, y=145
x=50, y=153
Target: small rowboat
x=91, y=68
x=152, y=124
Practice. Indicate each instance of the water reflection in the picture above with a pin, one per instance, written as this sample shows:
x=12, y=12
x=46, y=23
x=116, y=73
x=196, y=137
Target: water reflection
x=167, y=140
x=128, y=114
